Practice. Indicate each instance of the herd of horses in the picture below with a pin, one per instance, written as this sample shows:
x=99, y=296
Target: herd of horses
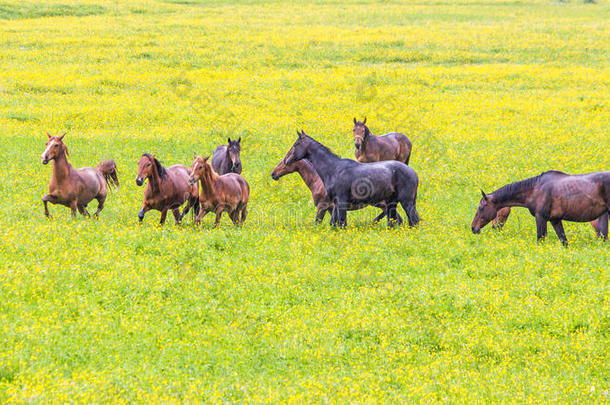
x=380, y=177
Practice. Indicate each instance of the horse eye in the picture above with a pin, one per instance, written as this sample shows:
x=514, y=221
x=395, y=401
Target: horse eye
x=55, y=146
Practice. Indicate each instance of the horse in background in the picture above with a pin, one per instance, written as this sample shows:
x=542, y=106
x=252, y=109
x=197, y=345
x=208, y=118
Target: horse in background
x=552, y=196
x=75, y=188
x=372, y=148
x=226, y=158
x=167, y=188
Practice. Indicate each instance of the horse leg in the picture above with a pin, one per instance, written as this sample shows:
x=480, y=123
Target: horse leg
x=390, y=210
x=333, y=216
x=341, y=219
x=177, y=216
x=163, y=216
x=321, y=211
x=501, y=218
x=202, y=213
x=411, y=211
x=244, y=212
x=218, y=215
x=47, y=198
x=143, y=211
x=74, y=207
x=541, y=224
x=558, y=226
x=602, y=226
x=83, y=211
x=379, y=217
x=100, y=205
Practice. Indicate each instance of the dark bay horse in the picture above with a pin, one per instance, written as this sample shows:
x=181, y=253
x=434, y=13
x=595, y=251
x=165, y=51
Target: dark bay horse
x=167, y=188
x=314, y=183
x=372, y=148
x=353, y=185
x=226, y=158
x=75, y=188
x=552, y=196
x=229, y=192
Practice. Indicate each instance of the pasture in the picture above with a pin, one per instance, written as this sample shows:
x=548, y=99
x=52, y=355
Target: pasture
x=283, y=309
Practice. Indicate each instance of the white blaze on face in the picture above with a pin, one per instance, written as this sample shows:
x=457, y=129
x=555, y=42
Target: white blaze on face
x=47, y=150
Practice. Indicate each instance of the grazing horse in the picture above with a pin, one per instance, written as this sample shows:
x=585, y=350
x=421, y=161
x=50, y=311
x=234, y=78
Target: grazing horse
x=167, y=188
x=229, y=192
x=552, y=196
x=226, y=158
x=371, y=148
x=353, y=185
x=314, y=182
x=75, y=188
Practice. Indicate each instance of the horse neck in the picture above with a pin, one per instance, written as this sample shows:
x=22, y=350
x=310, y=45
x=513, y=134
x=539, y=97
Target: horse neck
x=307, y=173
x=155, y=179
x=207, y=184
x=518, y=198
x=323, y=161
x=368, y=140
x=61, y=168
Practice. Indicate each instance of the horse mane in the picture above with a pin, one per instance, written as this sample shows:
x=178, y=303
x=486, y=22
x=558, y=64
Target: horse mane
x=510, y=190
x=323, y=147
x=160, y=169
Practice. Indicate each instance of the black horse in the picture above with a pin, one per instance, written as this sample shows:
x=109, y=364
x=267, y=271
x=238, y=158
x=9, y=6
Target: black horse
x=226, y=158
x=353, y=185
x=552, y=196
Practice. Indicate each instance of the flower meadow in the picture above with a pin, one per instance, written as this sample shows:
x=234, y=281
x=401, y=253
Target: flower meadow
x=282, y=309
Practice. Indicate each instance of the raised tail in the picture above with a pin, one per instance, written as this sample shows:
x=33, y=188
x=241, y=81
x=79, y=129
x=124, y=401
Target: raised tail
x=108, y=169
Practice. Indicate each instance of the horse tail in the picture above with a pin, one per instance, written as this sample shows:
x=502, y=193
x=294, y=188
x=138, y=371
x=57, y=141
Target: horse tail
x=108, y=169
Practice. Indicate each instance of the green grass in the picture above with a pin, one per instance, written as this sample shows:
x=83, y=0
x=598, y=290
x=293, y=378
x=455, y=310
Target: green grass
x=283, y=309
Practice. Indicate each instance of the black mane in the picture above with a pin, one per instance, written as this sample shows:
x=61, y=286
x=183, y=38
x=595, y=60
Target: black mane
x=323, y=147
x=510, y=190
x=160, y=169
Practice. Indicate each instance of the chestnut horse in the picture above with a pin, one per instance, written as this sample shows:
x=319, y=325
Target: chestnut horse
x=75, y=188
x=229, y=192
x=226, y=158
x=312, y=180
x=371, y=148
x=552, y=196
x=167, y=188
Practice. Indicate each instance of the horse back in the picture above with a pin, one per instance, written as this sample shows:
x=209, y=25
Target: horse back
x=234, y=185
x=92, y=180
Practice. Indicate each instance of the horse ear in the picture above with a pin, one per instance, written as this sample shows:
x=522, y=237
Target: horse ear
x=355, y=121
x=239, y=140
x=229, y=141
x=194, y=155
x=205, y=159
x=62, y=136
x=49, y=135
x=364, y=121
x=483, y=194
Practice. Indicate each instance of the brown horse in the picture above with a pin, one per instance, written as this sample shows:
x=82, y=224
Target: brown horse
x=312, y=180
x=226, y=158
x=229, y=192
x=371, y=148
x=167, y=188
x=75, y=188
x=552, y=196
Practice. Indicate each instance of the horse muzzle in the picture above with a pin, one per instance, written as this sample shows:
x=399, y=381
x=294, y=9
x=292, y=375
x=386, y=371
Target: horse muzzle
x=274, y=176
x=139, y=181
x=357, y=146
x=475, y=230
x=45, y=160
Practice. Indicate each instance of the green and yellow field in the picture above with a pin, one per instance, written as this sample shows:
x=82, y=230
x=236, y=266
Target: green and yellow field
x=282, y=309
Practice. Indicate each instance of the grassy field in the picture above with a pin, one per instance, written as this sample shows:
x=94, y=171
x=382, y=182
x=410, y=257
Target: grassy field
x=282, y=309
